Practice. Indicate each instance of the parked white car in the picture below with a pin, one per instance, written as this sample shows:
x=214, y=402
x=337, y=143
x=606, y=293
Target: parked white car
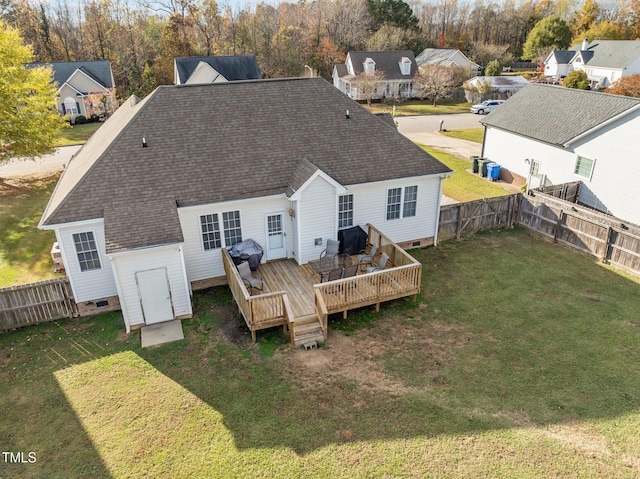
x=486, y=106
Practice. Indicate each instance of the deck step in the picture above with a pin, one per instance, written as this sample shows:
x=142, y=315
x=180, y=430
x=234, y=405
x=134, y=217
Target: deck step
x=318, y=337
x=307, y=329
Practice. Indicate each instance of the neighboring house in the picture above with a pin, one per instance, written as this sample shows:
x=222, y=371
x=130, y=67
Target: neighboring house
x=502, y=87
x=551, y=135
x=398, y=67
x=191, y=70
x=84, y=88
x=142, y=211
x=604, y=61
x=446, y=57
x=558, y=63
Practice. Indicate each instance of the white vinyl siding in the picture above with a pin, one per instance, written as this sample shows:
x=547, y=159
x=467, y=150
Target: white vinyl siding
x=127, y=264
x=317, y=209
x=91, y=284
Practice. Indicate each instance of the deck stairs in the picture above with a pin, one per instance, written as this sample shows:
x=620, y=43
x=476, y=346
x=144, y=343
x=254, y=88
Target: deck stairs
x=307, y=329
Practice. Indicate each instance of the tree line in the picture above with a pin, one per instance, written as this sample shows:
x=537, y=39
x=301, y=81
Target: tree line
x=141, y=40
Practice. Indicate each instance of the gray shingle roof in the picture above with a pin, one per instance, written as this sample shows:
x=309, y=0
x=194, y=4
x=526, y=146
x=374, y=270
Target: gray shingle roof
x=557, y=115
x=563, y=57
x=438, y=56
x=386, y=62
x=611, y=53
x=233, y=140
x=99, y=70
x=232, y=67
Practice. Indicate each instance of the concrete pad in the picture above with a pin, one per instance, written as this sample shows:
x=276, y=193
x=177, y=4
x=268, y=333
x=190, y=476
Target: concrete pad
x=161, y=333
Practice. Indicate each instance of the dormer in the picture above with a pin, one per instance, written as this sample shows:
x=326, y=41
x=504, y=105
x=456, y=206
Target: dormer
x=405, y=66
x=369, y=65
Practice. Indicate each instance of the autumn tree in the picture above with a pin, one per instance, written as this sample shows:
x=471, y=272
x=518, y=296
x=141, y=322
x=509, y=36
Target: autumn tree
x=493, y=69
x=368, y=84
x=438, y=81
x=576, y=79
x=29, y=121
x=551, y=33
x=478, y=90
x=627, y=86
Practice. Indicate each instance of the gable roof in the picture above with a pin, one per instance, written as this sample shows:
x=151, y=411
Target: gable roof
x=98, y=70
x=558, y=115
x=440, y=56
x=506, y=82
x=232, y=67
x=609, y=53
x=563, y=57
x=387, y=62
x=275, y=135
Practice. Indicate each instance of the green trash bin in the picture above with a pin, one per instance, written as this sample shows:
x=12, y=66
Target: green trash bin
x=474, y=163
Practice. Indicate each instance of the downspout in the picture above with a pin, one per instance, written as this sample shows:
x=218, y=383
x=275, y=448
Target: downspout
x=484, y=138
x=435, y=233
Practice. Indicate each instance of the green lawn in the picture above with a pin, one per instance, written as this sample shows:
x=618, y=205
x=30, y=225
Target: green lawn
x=77, y=134
x=469, y=134
x=520, y=360
x=24, y=249
x=422, y=107
x=463, y=185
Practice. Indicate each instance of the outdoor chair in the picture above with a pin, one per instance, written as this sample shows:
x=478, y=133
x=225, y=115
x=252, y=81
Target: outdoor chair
x=332, y=249
x=332, y=275
x=382, y=264
x=351, y=270
x=248, y=277
x=367, y=259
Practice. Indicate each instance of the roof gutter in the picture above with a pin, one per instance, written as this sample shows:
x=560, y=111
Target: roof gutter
x=601, y=125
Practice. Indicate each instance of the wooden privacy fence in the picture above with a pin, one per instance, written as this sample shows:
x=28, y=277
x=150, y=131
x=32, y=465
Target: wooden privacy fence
x=606, y=237
x=479, y=215
x=35, y=303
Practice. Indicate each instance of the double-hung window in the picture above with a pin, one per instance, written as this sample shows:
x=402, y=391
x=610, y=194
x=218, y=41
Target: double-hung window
x=215, y=235
x=584, y=167
x=87, y=251
x=402, y=202
x=345, y=211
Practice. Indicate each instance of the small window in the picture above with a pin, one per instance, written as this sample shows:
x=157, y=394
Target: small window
x=210, y=232
x=584, y=167
x=369, y=65
x=410, y=201
x=405, y=66
x=393, y=203
x=87, y=251
x=345, y=211
x=232, y=230
x=535, y=168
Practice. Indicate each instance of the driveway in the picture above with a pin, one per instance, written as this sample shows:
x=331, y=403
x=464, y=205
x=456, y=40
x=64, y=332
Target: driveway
x=51, y=163
x=425, y=130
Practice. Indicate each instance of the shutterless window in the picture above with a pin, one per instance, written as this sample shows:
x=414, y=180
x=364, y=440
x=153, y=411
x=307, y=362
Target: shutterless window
x=394, y=196
x=410, y=201
x=232, y=230
x=345, y=211
x=210, y=231
x=535, y=168
x=584, y=167
x=87, y=251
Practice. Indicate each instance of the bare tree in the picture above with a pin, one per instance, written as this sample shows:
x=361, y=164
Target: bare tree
x=368, y=84
x=437, y=81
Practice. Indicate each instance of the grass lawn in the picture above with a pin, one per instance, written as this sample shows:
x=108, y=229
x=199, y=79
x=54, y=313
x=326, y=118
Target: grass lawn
x=77, y=134
x=463, y=185
x=521, y=359
x=470, y=134
x=421, y=107
x=24, y=249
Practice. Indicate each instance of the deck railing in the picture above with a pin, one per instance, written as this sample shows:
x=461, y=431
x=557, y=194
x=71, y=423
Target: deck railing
x=401, y=278
x=259, y=311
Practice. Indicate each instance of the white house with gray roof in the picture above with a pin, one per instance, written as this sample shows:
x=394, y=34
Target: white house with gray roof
x=446, y=57
x=551, y=135
x=142, y=211
x=398, y=67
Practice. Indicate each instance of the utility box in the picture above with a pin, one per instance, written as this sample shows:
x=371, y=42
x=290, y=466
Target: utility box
x=56, y=256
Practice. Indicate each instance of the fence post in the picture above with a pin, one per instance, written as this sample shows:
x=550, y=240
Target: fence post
x=607, y=243
x=459, y=223
x=558, y=224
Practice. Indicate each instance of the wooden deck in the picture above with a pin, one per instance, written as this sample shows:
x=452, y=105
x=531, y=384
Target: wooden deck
x=297, y=281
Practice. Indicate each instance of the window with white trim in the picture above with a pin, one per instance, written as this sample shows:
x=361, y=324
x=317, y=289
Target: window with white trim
x=345, y=211
x=535, y=167
x=87, y=251
x=232, y=229
x=210, y=231
x=70, y=106
x=584, y=167
x=402, y=202
x=369, y=65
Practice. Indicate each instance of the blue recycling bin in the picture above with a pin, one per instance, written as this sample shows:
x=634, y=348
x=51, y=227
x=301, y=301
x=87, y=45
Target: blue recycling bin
x=493, y=171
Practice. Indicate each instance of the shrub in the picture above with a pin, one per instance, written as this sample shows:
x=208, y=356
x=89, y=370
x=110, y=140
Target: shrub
x=80, y=119
x=576, y=79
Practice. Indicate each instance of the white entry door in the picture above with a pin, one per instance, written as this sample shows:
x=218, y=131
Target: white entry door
x=155, y=296
x=276, y=242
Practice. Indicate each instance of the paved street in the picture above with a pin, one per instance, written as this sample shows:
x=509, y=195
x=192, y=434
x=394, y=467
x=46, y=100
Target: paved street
x=45, y=164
